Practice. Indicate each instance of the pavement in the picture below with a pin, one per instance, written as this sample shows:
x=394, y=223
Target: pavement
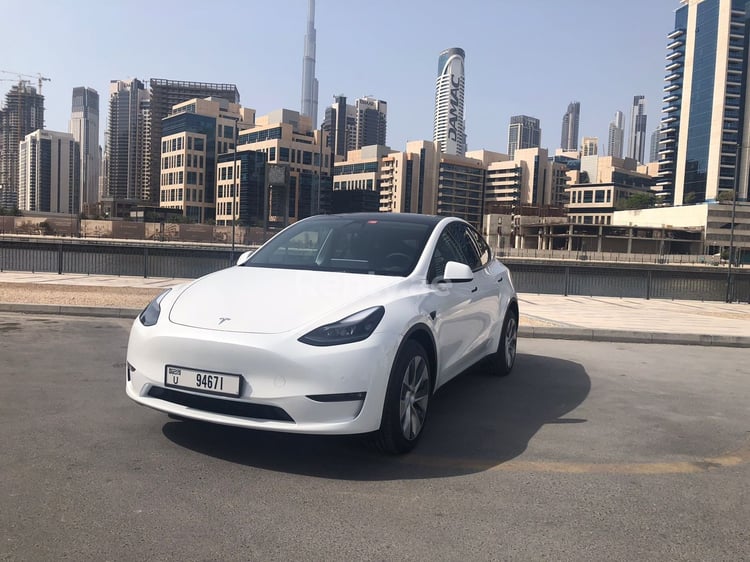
x=684, y=322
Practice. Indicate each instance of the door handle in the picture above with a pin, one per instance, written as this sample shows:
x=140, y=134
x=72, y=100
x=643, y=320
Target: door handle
x=499, y=279
x=475, y=289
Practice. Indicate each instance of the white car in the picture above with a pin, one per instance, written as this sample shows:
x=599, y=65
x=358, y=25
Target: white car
x=340, y=324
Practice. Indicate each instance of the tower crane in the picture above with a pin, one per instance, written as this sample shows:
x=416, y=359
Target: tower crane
x=21, y=75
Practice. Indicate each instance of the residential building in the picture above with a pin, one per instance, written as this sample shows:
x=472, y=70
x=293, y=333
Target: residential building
x=703, y=119
x=49, y=173
x=616, y=136
x=23, y=113
x=309, y=104
x=127, y=141
x=409, y=179
x=637, y=139
x=84, y=126
x=449, y=127
x=194, y=135
x=165, y=94
x=570, y=122
x=523, y=132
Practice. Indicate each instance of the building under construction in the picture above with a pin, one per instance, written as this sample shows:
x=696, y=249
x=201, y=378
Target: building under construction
x=23, y=113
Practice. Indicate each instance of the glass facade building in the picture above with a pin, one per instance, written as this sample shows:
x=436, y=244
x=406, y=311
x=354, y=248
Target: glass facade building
x=703, y=118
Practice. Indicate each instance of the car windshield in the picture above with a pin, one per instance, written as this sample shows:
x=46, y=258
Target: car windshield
x=346, y=244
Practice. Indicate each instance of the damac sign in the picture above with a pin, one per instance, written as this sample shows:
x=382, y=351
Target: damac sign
x=455, y=83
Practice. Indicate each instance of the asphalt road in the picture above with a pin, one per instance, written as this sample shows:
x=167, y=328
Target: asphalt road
x=589, y=451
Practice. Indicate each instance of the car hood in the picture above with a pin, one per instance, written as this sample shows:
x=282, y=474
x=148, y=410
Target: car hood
x=270, y=301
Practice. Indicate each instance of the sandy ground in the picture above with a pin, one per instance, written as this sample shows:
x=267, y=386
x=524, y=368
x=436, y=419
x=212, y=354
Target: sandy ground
x=116, y=297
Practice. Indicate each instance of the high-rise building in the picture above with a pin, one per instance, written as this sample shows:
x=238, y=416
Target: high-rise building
x=49, y=173
x=704, y=118
x=84, y=126
x=371, y=121
x=22, y=114
x=654, y=146
x=164, y=95
x=637, y=139
x=127, y=146
x=309, y=106
x=352, y=127
x=449, y=127
x=570, y=122
x=523, y=132
x=341, y=125
x=616, y=136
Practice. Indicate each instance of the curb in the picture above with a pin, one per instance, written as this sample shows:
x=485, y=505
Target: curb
x=626, y=336
x=555, y=333
x=71, y=310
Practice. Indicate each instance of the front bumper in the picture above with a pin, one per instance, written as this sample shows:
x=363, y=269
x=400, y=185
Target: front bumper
x=286, y=385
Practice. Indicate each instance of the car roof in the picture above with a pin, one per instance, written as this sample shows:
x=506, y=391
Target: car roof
x=413, y=218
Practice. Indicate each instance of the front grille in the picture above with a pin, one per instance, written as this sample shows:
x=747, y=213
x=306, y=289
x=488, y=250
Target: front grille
x=218, y=406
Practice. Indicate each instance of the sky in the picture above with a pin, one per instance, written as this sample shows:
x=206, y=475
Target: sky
x=528, y=57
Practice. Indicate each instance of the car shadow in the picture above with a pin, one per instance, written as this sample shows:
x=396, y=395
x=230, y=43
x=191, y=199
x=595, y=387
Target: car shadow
x=476, y=422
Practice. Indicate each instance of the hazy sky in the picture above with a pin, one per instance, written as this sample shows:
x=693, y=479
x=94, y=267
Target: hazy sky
x=522, y=56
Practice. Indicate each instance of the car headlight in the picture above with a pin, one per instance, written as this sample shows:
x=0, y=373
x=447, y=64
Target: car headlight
x=354, y=328
x=150, y=314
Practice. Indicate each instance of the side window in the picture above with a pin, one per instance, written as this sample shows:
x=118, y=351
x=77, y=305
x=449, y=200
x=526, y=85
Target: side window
x=464, y=239
x=485, y=254
x=446, y=250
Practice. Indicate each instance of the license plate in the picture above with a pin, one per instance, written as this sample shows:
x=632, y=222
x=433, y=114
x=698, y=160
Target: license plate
x=207, y=382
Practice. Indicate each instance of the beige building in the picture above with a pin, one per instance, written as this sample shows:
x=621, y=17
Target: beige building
x=600, y=184
x=590, y=146
x=195, y=133
x=297, y=170
x=361, y=170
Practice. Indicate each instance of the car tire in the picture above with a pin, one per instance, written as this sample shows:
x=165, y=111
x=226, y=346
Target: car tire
x=502, y=361
x=406, y=400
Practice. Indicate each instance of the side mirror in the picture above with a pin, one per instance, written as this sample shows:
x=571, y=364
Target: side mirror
x=456, y=272
x=244, y=257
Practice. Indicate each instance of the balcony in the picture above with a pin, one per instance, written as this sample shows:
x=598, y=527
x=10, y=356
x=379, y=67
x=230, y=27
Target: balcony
x=679, y=32
x=675, y=45
x=672, y=87
x=673, y=66
x=672, y=77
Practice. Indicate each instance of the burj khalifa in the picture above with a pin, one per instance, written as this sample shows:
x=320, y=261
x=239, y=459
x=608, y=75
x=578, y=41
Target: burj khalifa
x=309, y=82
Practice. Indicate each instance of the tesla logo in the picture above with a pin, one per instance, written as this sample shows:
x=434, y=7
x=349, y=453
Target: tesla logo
x=222, y=320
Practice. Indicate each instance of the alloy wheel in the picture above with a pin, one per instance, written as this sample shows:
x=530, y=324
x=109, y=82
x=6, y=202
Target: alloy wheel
x=415, y=393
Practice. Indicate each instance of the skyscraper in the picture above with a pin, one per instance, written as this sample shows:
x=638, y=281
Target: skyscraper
x=616, y=136
x=84, y=126
x=340, y=123
x=49, y=173
x=449, y=127
x=371, y=121
x=654, y=148
x=570, y=122
x=704, y=118
x=22, y=114
x=309, y=105
x=127, y=144
x=351, y=127
x=523, y=132
x=637, y=139
x=164, y=95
